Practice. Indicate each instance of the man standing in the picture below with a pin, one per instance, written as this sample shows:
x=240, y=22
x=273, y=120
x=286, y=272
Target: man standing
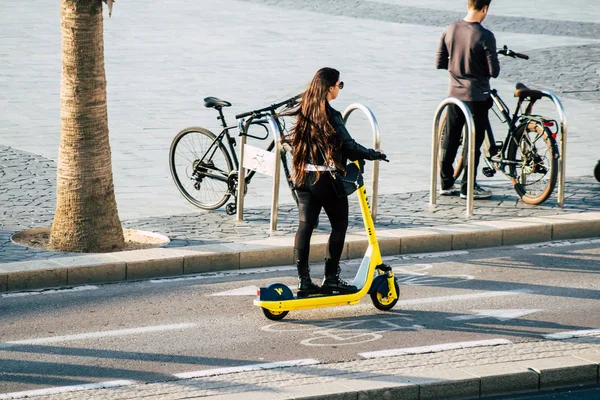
x=468, y=51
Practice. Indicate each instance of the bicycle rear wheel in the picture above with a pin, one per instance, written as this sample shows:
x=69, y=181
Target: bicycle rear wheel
x=533, y=162
x=200, y=167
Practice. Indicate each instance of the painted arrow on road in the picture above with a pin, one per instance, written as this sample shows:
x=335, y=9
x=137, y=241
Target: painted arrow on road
x=501, y=315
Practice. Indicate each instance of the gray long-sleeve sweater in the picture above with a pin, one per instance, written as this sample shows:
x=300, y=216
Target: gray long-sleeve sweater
x=468, y=51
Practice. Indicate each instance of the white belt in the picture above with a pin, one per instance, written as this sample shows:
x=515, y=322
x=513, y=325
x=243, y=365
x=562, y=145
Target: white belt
x=313, y=168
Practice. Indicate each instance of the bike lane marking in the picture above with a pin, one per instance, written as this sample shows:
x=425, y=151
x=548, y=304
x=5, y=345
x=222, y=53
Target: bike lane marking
x=573, y=334
x=96, y=335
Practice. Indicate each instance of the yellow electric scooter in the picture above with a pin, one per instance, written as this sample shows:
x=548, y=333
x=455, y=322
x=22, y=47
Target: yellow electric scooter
x=373, y=277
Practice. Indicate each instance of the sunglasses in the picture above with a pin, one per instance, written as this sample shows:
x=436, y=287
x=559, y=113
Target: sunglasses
x=341, y=85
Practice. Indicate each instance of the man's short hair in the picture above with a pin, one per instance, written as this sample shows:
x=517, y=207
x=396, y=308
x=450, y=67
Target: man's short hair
x=479, y=4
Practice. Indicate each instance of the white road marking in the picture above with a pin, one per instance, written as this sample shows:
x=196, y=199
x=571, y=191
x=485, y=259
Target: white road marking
x=223, y=274
x=183, y=375
x=558, y=243
x=501, y=315
x=459, y=297
x=246, y=368
x=243, y=291
x=573, y=334
x=434, y=348
x=96, y=335
x=65, y=389
x=50, y=291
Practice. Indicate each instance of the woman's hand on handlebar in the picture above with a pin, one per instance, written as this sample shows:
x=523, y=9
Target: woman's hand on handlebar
x=381, y=155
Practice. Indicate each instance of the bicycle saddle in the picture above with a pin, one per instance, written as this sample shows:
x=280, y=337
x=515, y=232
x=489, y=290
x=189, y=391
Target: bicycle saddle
x=524, y=92
x=210, y=102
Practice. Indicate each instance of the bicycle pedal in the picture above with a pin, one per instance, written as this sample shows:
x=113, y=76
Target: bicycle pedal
x=488, y=172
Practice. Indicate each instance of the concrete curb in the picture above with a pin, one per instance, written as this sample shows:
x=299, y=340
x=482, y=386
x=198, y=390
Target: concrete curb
x=161, y=262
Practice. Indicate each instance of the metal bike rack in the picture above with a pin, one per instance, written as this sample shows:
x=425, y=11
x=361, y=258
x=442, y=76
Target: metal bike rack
x=435, y=148
x=274, y=128
x=376, y=144
x=563, y=146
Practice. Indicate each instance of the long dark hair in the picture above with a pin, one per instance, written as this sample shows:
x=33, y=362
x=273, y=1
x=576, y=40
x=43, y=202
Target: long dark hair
x=313, y=133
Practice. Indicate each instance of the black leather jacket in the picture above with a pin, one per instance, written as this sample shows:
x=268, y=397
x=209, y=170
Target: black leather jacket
x=351, y=150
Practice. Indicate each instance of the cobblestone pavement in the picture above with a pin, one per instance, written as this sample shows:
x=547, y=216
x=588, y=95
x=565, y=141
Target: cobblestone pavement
x=389, y=68
x=256, y=51
x=27, y=187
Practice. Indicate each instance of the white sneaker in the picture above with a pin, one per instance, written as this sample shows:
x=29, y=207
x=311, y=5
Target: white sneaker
x=478, y=193
x=450, y=191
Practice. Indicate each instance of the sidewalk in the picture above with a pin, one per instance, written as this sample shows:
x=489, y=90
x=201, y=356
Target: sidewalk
x=211, y=241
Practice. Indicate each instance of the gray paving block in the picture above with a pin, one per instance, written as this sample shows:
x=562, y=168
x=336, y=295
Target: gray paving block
x=3, y=282
x=151, y=263
x=33, y=274
x=575, y=226
x=505, y=378
x=517, y=231
x=318, y=391
x=382, y=387
x=356, y=246
x=593, y=356
x=424, y=241
x=94, y=268
x=264, y=394
x=269, y=252
x=471, y=236
x=565, y=371
x=199, y=259
x=435, y=383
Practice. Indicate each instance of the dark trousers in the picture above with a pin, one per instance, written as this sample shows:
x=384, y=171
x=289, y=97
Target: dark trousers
x=312, y=197
x=451, y=140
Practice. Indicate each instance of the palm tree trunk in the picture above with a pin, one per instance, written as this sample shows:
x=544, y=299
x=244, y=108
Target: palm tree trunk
x=86, y=217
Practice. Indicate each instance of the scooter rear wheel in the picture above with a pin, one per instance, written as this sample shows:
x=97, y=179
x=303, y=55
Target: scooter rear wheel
x=274, y=315
x=381, y=301
x=597, y=171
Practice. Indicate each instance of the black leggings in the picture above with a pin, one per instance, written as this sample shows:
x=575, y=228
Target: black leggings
x=313, y=197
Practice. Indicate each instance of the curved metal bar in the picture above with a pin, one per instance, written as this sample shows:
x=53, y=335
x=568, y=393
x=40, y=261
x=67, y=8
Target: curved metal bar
x=277, y=149
x=563, y=146
x=435, y=148
x=376, y=145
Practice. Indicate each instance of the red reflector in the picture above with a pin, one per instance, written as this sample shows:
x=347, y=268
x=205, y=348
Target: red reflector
x=258, y=292
x=548, y=123
x=554, y=135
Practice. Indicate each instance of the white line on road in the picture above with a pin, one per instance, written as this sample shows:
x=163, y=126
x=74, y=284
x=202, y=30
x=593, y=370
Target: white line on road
x=65, y=389
x=572, y=334
x=558, y=243
x=434, y=348
x=210, y=275
x=51, y=291
x=457, y=297
x=95, y=335
x=246, y=368
x=183, y=375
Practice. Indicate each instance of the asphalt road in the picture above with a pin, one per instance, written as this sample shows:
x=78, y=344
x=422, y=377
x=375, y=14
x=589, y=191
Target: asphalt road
x=154, y=329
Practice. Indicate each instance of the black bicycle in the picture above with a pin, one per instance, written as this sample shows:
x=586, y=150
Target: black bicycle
x=529, y=154
x=205, y=166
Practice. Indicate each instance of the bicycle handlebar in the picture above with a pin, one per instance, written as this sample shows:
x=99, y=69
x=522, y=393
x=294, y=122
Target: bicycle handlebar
x=505, y=51
x=289, y=102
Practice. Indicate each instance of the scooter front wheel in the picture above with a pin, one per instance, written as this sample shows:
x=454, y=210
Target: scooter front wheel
x=379, y=297
x=274, y=315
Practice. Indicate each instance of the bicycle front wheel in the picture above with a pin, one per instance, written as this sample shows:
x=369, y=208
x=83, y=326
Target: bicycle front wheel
x=533, y=162
x=200, y=167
